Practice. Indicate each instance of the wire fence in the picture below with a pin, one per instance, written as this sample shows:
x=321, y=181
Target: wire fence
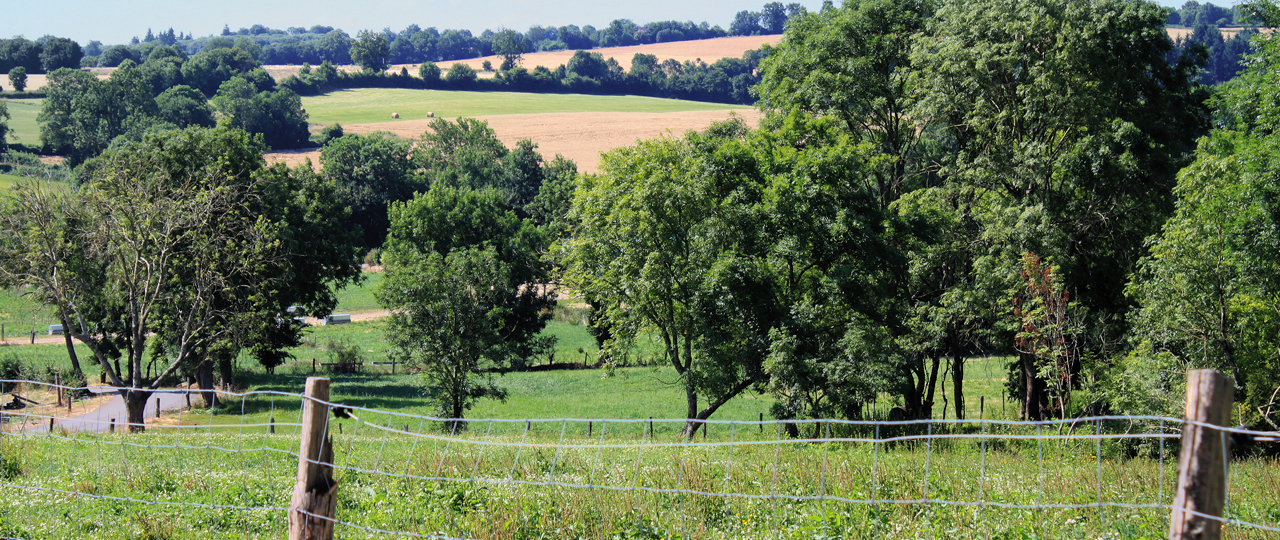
x=231, y=471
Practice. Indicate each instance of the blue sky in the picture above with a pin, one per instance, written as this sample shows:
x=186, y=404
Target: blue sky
x=115, y=22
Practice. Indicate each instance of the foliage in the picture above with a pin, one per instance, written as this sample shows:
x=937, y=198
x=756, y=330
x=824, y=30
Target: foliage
x=18, y=78
x=82, y=115
x=370, y=172
x=466, y=290
x=184, y=106
x=276, y=114
x=370, y=51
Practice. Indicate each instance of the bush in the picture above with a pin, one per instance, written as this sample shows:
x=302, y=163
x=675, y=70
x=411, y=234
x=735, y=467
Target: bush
x=330, y=132
x=345, y=357
x=374, y=257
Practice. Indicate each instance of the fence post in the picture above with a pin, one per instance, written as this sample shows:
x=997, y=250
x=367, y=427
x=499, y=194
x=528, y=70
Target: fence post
x=157, y=408
x=315, y=491
x=1202, y=482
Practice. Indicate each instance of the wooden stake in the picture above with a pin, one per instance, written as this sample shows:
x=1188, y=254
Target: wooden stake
x=982, y=407
x=589, y=429
x=271, y=425
x=761, y=422
x=1202, y=464
x=157, y=408
x=113, y=425
x=316, y=490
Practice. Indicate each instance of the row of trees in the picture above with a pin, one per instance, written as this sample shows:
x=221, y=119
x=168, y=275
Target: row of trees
x=728, y=80
x=414, y=44
x=931, y=182
x=177, y=252
x=42, y=55
x=82, y=115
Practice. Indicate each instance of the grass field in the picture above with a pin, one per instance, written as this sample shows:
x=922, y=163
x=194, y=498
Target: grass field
x=369, y=105
x=23, y=128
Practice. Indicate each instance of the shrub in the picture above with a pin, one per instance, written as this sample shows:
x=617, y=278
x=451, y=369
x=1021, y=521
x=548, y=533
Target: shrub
x=346, y=357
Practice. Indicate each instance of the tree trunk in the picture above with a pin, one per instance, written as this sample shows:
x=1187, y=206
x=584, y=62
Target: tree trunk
x=71, y=346
x=135, y=403
x=226, y=370
x=1032, y=389
x=957, y=382
x=204, y=379
x=927, y=407
x=691, y=401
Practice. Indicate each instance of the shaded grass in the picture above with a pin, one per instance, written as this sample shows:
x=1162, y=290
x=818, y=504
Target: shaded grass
x=370, y=105
x=359, y=298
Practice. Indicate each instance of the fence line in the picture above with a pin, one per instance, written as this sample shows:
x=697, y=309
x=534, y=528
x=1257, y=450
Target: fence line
x=688, y=456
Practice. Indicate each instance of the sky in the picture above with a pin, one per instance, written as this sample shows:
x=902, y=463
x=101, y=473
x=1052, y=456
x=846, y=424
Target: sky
x=113, y=22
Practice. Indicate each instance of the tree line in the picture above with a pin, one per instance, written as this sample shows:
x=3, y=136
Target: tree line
x=415, y=45
x=932, y=181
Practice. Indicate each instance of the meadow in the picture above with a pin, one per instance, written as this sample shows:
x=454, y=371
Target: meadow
x=370, y=105
x=23, y=128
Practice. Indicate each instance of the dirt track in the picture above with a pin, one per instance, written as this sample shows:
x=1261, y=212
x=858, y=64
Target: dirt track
x=578, y=136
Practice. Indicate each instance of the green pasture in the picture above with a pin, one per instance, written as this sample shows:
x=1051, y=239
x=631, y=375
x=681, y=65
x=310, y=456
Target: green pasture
x=370, y=105
x=7, y=181
x=619, y=483
x=23, y=128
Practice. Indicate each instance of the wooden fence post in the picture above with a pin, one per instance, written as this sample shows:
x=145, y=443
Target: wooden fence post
x=316, y=490
x=1202, y=481
x=157, y=408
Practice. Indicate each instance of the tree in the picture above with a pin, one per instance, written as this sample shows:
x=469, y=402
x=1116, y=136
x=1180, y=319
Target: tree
x=460, y=75
x=18, y=78
x=850, y=64
x=60, y=53
x=429, y=72
x=466, y=289
x=588, y=64
x=1206, y=292
x=207, y=70
x=114, y=55
x=4, y=127
x=746, y=23
x=1075, y=122
x=511, y=46
x=773, y=18
x=278, y=115
x=335, y=47
x=81, y=115
x=465, y=153
x=655, y=243
x=370, y=173
x=370, y=51
x=184, y=106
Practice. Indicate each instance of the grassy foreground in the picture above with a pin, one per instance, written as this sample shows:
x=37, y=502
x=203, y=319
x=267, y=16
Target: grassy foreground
x=370, y=105
x=619, y=483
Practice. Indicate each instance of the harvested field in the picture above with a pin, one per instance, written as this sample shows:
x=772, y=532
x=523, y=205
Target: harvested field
x=37, y=81
x=709, y=50
x=578, y=136
x=1227, y=33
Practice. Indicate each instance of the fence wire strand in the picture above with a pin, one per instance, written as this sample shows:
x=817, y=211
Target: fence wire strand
x=448, y=451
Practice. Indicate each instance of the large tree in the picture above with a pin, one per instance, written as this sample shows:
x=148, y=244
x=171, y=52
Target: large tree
x=370, y=51
x=510, y=45
x=1208, y=291
x=371, y=172
x=467, y=291
x=1067, y=124
x=178, y=241
x=81, y=115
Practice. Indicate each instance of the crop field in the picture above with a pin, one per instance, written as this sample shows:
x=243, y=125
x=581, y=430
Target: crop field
x=23, y=128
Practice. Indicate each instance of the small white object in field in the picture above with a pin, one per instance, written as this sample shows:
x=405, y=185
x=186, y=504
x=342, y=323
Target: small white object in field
x=431, y=115
x=395, y=115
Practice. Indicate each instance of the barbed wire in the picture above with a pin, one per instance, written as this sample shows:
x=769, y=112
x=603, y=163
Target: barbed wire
x=686, y=454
